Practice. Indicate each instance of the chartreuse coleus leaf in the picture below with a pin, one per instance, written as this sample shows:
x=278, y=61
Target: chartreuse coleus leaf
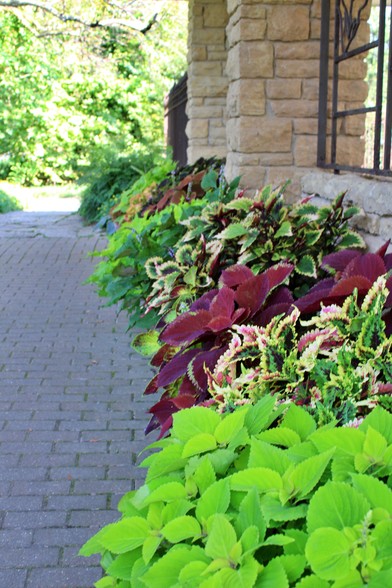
x=122, y=565
x=191, y=573
x=312, y=582
x=181, y=528
x=330, y=553
x=125, y=535
x=221, y=539
x=280, y=436
x=166, y=493
x=243, y=577
x=345, y=439
x=165, y=572
x=263, y=479
x=294, y=566
x=229, y=426
x=336, y=505
x=106, y=582
x=265, y=455
x=375, y=449
x=204, y=474
x=169, y=460
x=274, y=510
x=194, y=421
x=250, y=514
x=381, y=420
x=199, y=444
x=258, y=416
x=272, y=576
x=375, y=491
x=299, y=480
x=299, y=421
x=215, y=499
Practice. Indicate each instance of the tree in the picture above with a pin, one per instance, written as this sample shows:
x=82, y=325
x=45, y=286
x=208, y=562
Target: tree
x=61, y=102
x=133, y=16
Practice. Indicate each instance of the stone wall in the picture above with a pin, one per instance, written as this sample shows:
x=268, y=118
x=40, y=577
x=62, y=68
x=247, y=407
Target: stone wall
x=272, y=106
x=207, y=81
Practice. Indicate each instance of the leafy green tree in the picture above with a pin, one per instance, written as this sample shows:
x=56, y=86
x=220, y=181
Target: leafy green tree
x=63, y=98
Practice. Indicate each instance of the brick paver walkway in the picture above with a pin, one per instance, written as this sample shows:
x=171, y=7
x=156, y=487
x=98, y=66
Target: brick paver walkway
x=72, y=416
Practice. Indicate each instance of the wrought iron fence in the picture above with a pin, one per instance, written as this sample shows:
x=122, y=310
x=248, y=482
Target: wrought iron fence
x=347, y=20
x=176, y=120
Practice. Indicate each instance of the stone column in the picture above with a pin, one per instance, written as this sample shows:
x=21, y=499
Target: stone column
x=272, y=105
x=207, y=85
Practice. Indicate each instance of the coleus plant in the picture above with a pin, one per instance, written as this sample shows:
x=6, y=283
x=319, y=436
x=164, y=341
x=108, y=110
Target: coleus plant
x=257, y=498
x=122, y=276
x=258, y=232
x=196, y=339
x=191, y=348
x=338, y=364
x=350, y=270
x=155, y=191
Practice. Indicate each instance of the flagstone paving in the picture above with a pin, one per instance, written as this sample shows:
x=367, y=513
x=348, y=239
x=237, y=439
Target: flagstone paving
x=72, y=416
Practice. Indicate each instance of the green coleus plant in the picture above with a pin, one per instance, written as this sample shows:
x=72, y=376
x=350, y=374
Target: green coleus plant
x=123, y=276
x=258, y=232
x=338, y=364
x=257, y=498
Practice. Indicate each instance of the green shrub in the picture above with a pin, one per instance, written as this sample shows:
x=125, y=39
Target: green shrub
x=9, y=203
x=109, y=174
x=257, y=498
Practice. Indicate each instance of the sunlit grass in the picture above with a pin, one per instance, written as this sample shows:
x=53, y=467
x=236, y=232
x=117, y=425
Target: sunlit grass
x=66, y=197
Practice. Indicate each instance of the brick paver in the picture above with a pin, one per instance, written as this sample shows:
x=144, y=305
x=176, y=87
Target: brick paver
x=71, y=410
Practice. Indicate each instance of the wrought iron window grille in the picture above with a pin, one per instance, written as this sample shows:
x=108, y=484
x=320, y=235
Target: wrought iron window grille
x=348, y=16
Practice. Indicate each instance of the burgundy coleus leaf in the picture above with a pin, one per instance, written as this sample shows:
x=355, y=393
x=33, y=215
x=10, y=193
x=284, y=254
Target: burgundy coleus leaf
x=311, y=302
x=222, y=304
x=168, y=197
x=152, y=386
x=383, y=249
x=369, y=265
x=164, y=409
x=186, y=328
x=197, y=368
x=204, y=302
x=165, y=353
x=263, y=318
x=277, y=274
x=186, y=386
x=220, y=323
x=214, y=265
x=388, y=262
x=280, y=302
x=339, y=260
x=235, y=275
x=385, y=388
x=346, y=286
x=176, y=367
x=252, y=293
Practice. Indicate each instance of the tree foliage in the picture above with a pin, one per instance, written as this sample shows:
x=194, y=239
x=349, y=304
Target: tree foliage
x=67, y=91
